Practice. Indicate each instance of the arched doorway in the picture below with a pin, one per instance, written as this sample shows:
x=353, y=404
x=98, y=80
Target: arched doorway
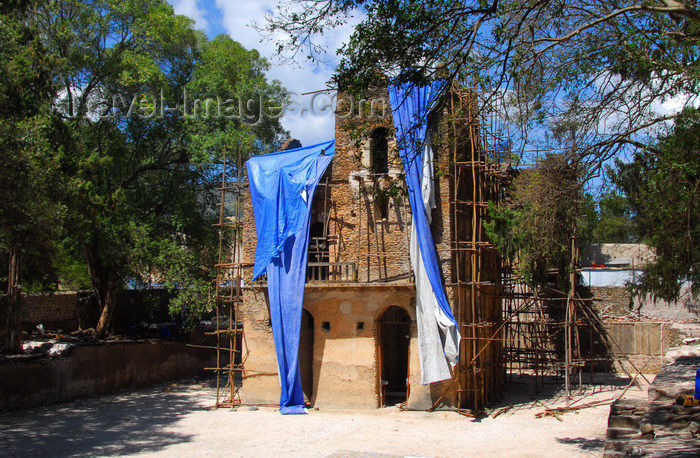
x=306, y=354
x=393, y=339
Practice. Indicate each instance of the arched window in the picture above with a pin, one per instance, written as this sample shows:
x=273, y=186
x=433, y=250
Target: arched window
x=379, y=151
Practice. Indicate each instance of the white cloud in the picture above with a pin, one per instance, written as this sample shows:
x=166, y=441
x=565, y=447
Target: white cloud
x=676, y=104
x=309, y=127
x=236, y=18
x=193, y=10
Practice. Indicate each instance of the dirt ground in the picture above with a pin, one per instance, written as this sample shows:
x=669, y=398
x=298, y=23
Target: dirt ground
x=177, y=420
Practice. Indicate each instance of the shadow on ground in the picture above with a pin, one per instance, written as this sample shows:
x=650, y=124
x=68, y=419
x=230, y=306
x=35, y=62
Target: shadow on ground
x=583, y=443
x=131, y=423
x=524, y=390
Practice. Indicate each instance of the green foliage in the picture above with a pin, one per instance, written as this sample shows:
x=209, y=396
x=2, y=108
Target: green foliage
x=587, y=77
x=226, y=78
x=553, y=62
x=29, y=213
x=142, y=187
x=70, y=271
x=615, y=222
x=181, y=272
x=534, y=226
x=28, y=166
x=28, y=163
x=663, y=185
x=102, y=194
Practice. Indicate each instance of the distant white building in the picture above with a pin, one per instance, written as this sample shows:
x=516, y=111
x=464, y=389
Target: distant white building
x=613, y=264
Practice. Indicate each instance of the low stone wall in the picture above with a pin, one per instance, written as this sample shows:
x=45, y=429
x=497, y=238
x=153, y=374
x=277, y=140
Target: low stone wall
x=91, y=370
x=55, y=311
x=618, y=301
x=640, y=345
x=73, y=310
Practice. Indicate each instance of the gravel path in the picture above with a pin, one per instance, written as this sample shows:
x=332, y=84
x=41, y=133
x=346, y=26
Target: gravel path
x=176, y=420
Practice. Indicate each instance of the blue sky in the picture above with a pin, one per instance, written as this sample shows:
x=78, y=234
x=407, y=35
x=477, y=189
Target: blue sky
x=234, y=18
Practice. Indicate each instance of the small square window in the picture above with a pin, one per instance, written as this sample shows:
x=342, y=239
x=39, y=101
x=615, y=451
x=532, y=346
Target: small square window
x=326, y=326
x=360, y=326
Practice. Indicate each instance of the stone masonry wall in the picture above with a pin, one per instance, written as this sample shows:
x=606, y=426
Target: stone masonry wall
x=91, y=370
x=377, y=243
x=358, y=232
x=345, y=370
x=55, y=311
x=611, y=300
x=72, y=310
x=618, y=301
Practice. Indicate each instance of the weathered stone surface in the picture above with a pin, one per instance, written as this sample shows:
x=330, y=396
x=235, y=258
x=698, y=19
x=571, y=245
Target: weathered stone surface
x=677, y=378
x=619, y=433
x=666, y=427
x=367, y=217
x=98, y=369
x=624, y=421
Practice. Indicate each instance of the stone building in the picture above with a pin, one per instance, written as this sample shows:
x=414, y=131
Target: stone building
x=359, y=339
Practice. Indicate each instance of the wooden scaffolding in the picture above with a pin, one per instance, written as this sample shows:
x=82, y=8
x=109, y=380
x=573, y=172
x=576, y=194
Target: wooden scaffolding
x=231, y=349
x=479, y=171
x=504, y=326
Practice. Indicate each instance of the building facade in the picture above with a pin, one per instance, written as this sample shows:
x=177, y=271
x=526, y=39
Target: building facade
x=359, y=344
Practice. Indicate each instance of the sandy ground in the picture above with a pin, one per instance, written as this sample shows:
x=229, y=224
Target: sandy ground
x=177, y=420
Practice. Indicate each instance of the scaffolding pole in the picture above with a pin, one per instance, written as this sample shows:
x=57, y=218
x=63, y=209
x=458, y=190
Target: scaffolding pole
x=231, y=348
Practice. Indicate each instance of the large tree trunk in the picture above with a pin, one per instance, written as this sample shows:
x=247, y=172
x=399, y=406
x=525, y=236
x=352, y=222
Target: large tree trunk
x=105, y=321
x=106, y=284
x=13, y=338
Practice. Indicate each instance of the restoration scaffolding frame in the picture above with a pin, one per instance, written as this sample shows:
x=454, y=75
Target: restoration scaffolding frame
x=231, y=347
x=479, y=173
x=505, y=327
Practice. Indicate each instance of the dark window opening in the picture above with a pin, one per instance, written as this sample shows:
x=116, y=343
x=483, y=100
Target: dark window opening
x=326, y=326
x=318, y=253
x=382, y=206
x=360, y=325
x=379, y=151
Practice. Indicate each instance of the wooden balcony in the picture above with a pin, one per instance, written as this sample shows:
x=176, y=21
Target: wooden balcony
x=331, y=272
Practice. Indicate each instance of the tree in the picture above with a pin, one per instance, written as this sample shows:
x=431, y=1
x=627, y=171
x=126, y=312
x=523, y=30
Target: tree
x=137, y=157
x=663, y=185
x=28, y=165
x=615, y=220
x=585, y=77
x=602, y=65
x=535, y=225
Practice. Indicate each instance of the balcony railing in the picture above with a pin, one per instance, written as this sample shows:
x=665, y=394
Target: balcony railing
x=331, y=272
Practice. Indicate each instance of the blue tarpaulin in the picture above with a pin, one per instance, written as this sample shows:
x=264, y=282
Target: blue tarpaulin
x=438, y=333
x=282, y=187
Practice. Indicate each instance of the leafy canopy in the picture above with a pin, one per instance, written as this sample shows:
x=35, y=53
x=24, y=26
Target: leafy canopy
x=663, y=185
x=586, y=78
x=535, y=225
x=28, y=163
x=615, y=220
x=136, y=169
x=603, y=66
